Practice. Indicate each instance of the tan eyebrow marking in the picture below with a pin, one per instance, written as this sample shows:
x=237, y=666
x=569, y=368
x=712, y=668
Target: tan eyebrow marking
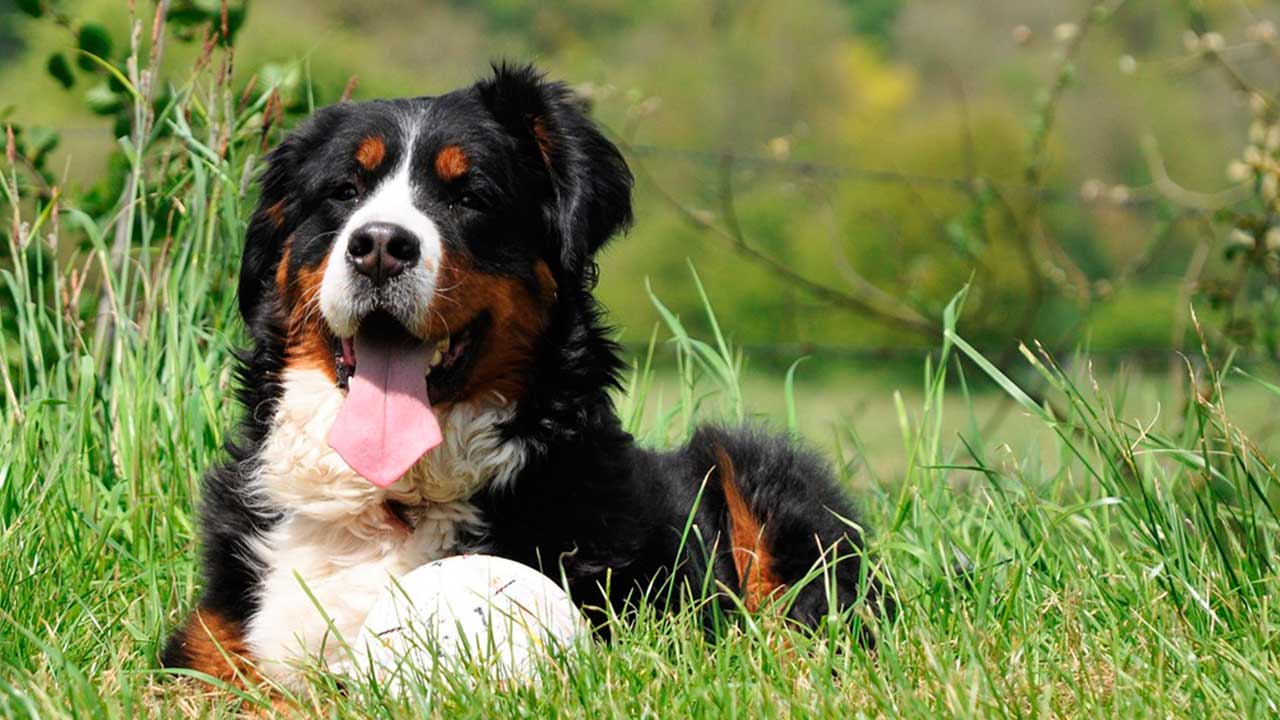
x=451, y=163
x=370, y=152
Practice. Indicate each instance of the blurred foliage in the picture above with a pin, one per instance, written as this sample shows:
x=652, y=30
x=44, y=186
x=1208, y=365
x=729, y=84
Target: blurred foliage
x=874, y=18
x=887, y=150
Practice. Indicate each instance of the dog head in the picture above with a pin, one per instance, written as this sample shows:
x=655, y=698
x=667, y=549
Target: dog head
x=431, y=237
x=453, y=219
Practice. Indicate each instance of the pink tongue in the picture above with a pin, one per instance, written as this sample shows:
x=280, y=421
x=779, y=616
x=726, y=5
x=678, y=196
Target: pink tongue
x=386, y=423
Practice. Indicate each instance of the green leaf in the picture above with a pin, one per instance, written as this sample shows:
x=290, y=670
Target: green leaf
x=102, y=101
x=116, y=82
x=1009, y=386
x=235, y=20
x=113, y=72
x=60, y=69
x=30, y=7
x=789, y=393
x=93, y=40
x=40, y=142
x=1269, y=387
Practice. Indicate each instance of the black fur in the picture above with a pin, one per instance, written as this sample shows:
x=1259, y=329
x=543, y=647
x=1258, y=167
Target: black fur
x=589, y=502
x=592, y=185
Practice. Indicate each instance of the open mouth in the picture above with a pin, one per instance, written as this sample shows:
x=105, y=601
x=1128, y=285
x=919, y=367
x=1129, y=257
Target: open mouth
x=387, y=421
x=449, y=362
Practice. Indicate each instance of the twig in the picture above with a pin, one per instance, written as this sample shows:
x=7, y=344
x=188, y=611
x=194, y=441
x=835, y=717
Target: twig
x=807, y=168
x=865, y=297
x=350, y=89
x=1206, y=202
x=1235, y=79
x=908, y=319
x=145, y=81
x=1032, y=221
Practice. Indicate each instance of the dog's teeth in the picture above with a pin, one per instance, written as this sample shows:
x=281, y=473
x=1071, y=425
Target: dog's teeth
x=442, y=346
x=436, y=357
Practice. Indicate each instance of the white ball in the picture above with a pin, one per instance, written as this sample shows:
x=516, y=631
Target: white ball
x=466, y=615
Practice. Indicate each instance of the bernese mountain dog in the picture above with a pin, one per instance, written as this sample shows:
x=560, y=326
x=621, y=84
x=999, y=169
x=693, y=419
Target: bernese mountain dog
x=430, y=374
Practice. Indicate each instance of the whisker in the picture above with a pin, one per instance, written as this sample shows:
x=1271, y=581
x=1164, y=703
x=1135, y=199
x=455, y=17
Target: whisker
x=443, y=321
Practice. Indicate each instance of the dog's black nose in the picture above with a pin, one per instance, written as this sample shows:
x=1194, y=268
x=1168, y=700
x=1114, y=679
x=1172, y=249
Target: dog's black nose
x=380, y=250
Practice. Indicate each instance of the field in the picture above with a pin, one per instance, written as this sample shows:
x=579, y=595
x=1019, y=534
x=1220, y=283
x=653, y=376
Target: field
x=1114, y=560
x=1064, y=537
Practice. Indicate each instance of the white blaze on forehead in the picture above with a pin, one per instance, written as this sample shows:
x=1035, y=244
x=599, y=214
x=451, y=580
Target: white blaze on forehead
x=347, y=297
x=392, y=202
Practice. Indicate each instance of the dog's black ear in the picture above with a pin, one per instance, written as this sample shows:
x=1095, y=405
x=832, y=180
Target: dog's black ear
x=291, y=170
x=269, y=226
x=590, y=181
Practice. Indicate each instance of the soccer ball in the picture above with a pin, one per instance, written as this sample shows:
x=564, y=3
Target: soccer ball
x=467, y=616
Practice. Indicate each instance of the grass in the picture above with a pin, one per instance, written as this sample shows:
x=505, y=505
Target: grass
x=1109, y=565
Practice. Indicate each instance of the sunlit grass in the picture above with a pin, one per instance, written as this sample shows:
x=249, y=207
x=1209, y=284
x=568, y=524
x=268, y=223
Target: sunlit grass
x=1080, y=560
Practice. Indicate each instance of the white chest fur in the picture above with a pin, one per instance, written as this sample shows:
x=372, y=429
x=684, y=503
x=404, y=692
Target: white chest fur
x=337, y=547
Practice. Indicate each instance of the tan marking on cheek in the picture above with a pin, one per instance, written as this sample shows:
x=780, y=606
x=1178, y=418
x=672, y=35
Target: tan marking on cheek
x=518, y=317
x=451, y=163
x=371, y=152
x=308, y=342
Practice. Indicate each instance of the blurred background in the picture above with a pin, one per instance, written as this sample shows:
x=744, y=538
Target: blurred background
x=835, y=170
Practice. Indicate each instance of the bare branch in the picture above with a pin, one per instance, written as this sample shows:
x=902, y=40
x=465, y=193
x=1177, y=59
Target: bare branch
x=898, y=315
x=1207, y=202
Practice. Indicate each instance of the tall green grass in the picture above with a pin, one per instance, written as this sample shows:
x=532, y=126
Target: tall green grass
x=1127, y=569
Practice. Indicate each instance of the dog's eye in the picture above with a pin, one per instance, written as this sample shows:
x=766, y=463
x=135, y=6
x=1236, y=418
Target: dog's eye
x=470, y=201
x=345, y=192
